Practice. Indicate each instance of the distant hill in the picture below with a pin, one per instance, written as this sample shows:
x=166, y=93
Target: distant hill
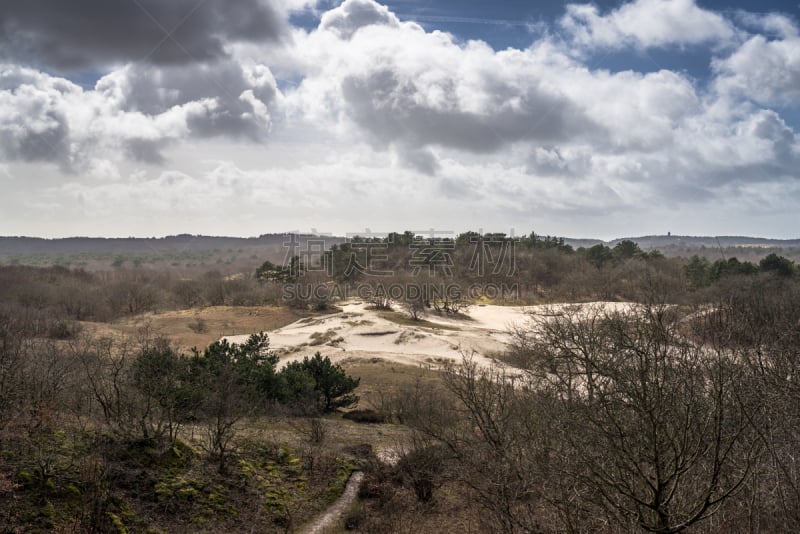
x=711, y=247
x=194, y=252
x=231, y=253
x=666, y=242
x=135, y=245
x=686, y=242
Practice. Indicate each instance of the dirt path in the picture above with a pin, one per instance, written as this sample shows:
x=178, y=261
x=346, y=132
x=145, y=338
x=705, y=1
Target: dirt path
x=336, y=511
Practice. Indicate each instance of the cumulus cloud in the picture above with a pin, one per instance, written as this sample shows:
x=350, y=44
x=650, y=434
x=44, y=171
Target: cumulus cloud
x=410, y=90
x=763, y=70
x=33, y=115
x=138, y=110
x=637, y=112
x=623, y=137
x=395, y=106
x=765, y=148
x=353, y=15
x=770, y=23
x=148, y=150
x=222, y=98
x=371, y=107
x=177, y=82
x=82, y=34
x=646, y=23
x=421, y=159
x=559, y=161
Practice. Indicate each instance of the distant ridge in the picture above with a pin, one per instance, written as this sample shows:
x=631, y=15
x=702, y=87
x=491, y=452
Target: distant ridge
x=13, y=246
x=10, y=246
x=683, y=242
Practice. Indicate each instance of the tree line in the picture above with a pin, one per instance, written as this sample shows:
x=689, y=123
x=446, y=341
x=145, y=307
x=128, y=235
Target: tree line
x=53, y=295
x=523, y=270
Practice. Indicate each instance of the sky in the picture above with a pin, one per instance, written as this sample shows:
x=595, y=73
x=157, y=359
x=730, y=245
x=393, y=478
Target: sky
x=244, y=117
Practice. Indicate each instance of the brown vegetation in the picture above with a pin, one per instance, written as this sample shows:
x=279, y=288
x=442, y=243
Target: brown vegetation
x=681, y=414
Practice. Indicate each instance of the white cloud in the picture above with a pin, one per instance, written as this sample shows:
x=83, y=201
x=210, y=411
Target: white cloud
x=136, y=109
x=770, y=23
x=763, y=70
x=353, y=15
x=33, y=115
x=221, y=98
x=406, y=89
x=646, y=23
x=632, y=136
x=380, y=109
x=103, y=169
x=637, y=112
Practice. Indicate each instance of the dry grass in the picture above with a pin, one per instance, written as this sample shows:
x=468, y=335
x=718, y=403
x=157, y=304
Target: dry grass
x=341, y=435
x=381, y=379
x=405, y=320
x=219, y=321
x=381, y=382
x=329, y=337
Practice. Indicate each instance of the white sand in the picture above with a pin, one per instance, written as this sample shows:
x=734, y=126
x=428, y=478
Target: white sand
x=364, y=334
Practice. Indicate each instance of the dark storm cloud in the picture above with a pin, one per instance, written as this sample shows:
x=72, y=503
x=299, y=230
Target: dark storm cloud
x=223, y=97
x=421, y=159
x=145, y=150
x=27, y=144
x=550, y=161
x=392, y=109
x=140, y=109
x=80, y=34
x=153, y=90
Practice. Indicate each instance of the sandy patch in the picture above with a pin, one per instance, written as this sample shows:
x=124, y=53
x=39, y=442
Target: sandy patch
x=359, y=332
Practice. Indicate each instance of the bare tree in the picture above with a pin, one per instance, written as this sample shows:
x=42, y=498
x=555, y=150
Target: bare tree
x=656, y=431
x=11, y=362
x=619, y=421
x=759, y=320
x=484, y=431
x=108, y=395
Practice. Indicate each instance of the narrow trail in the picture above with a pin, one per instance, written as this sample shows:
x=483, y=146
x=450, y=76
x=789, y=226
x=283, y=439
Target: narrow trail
x=336, y=511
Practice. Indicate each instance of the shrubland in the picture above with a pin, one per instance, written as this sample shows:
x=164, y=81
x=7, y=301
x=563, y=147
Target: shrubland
x=680, y=413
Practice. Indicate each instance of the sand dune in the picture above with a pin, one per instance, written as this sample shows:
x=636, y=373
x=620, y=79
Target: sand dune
x=360, y=332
